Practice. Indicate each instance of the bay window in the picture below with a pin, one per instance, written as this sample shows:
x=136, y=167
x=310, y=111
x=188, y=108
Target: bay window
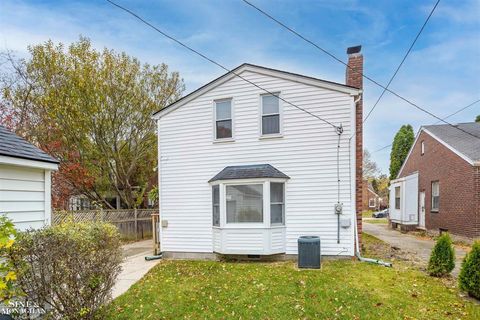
x=255, y=203
x=248, y=210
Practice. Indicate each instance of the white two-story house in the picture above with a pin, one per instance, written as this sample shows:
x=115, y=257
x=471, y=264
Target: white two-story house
x=247, y=169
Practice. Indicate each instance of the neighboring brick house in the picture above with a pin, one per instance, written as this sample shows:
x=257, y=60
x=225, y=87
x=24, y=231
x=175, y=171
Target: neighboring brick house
x=371, y=200
x=446, y=163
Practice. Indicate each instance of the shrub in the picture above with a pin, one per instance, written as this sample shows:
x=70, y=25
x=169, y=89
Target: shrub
x=469, y=279
x=7, y=274
x=442, y=259
x=68, y=269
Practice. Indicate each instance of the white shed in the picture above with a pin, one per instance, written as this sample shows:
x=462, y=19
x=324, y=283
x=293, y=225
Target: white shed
x=25, y=181
x=404, y=200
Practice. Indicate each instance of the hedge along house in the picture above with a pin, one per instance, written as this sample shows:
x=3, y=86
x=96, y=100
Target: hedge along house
x=25, y=181
x=438, y=185
x=243, y=172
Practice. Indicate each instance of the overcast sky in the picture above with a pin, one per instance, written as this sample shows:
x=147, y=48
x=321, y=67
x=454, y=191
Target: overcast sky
x=442, y=74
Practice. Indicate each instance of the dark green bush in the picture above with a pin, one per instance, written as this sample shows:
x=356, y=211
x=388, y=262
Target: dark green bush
x=68, y=269
x=469, y=279
x=442, y=259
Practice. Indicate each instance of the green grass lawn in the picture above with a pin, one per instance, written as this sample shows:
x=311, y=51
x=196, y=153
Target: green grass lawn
x=367, y=214
x=377, y=221
x=342, y=289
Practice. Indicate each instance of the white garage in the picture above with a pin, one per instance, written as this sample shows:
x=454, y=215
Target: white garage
x=25, y=181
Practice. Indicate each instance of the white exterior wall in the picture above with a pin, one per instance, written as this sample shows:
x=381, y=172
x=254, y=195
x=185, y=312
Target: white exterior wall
x=307, y=153
x=25, y=195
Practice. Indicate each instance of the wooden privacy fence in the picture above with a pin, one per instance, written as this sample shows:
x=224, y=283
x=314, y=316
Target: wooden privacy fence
x=133, y=224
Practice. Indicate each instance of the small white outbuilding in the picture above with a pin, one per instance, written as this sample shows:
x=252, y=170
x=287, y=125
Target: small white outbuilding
x=25, y=181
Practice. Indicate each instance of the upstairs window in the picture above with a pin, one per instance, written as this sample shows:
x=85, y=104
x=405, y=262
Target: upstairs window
x=270, y=114
x=435, y=196
x=223, y=119
x=423, y=148
x=397, y=198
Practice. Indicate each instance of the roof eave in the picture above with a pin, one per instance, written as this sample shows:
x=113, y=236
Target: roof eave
x=261, y=70
x=26, y=162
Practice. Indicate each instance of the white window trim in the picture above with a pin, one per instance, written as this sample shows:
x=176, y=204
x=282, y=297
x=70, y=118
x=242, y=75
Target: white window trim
x=432, y=209
x=399, y=197
x=280, y=113
x=276, y=203
x=374, y=203
x=422, y=147
x=266, y=203
x=232, y=115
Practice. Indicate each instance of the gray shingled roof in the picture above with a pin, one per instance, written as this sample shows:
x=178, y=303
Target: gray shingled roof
x=458, y=140
x=249, y=172
x=12, y=145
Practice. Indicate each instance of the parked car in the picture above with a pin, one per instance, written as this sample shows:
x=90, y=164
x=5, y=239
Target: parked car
x=380, y=214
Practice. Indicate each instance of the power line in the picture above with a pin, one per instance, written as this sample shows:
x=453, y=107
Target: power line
x=451, y=115
x=458, y=111
x=403, y=60
x=337, y=128
x=352, y=69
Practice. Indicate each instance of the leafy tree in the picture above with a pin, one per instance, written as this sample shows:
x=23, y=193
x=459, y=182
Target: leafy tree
x=91, y=110
x=442, y=258
x=380, y=185
x=469, y=278
x=370, y=167
x=477, y=119
x=402, y=143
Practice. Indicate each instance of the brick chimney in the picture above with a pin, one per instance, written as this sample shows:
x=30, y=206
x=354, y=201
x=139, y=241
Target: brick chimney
x=354, y=78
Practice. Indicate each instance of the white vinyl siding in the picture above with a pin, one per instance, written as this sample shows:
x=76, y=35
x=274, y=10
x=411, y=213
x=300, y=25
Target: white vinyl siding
x=307, y=153
x=25, y=195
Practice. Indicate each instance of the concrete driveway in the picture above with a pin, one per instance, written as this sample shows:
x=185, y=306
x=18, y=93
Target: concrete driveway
x=135, y=266
x=419, y=247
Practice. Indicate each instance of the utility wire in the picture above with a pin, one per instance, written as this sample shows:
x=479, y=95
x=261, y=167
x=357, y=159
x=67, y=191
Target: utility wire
x=401, y=63
x=352, y=69
x=451, y=115
x=458, y=111
x=337, y=128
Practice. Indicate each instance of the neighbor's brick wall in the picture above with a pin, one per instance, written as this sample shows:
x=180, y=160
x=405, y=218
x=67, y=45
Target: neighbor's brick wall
x=459, y=187
x=355, y=79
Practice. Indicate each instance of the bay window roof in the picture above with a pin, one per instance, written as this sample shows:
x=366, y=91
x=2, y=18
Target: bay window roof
x=249, y=172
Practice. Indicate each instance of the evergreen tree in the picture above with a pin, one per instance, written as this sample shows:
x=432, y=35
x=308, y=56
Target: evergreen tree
x=402, y=143
x=477, y=119
x=442, y=258
x=469, y=278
